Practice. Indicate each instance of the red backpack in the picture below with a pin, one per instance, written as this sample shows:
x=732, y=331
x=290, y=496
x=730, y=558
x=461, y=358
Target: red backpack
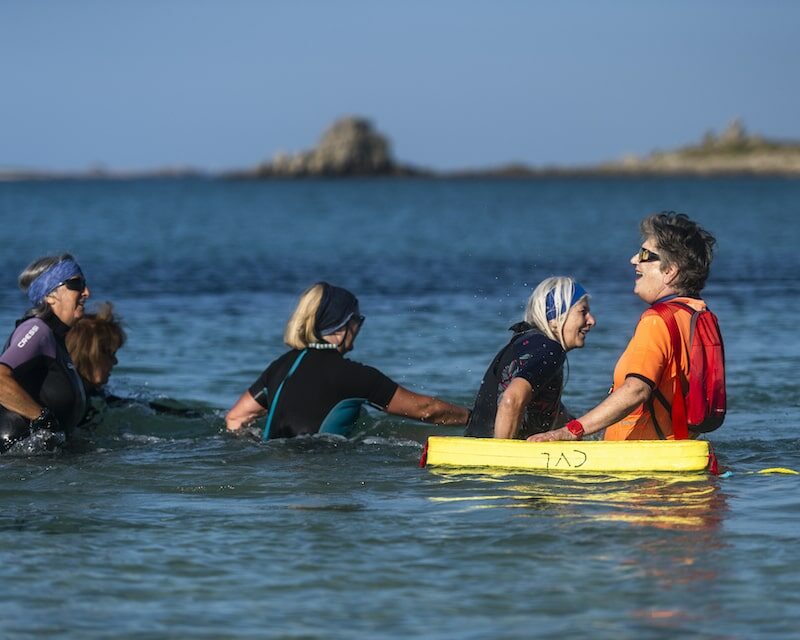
x=698, y=405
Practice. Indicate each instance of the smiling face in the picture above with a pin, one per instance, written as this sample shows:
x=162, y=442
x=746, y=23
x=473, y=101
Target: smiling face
x=578, y=323
x=67, y=303
x=652, y=282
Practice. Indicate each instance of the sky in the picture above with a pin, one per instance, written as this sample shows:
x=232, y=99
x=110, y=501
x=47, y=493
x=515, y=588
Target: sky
x=454, y=84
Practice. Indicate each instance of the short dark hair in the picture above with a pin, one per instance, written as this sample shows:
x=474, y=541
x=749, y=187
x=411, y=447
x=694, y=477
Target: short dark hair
x=684, y=243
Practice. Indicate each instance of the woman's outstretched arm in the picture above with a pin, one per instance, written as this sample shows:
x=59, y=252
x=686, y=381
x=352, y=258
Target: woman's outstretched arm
x=420, y=407
x=619, y=404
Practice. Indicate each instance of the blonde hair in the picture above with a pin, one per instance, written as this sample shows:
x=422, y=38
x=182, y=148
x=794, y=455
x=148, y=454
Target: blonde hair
x=563, y=288
x=93, y=336
x=299, y=332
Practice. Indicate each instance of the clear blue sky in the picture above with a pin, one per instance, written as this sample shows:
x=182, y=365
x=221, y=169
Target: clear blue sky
x=142, y=84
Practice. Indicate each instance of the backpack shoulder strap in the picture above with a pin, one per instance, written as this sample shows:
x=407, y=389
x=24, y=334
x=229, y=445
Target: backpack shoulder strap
x=680, y=427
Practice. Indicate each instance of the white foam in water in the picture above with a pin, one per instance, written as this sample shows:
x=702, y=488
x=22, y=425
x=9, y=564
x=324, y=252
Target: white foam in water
x=395, y=442
x=41, y=442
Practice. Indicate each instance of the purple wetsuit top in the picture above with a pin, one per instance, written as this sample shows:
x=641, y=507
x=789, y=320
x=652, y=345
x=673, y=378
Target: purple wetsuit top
x=39, y=361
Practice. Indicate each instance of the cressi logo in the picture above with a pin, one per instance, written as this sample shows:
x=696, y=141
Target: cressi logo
x=28, y=336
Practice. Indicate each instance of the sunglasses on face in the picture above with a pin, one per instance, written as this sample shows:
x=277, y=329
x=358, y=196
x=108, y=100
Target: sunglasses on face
x=645, y=255
x=78, y=283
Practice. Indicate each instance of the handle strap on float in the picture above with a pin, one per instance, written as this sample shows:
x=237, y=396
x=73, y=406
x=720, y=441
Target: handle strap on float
x=278, y=394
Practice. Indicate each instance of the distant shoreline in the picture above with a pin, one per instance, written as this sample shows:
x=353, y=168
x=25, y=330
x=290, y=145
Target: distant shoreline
x=498, y=174
x=489, y=174
x=352, y=148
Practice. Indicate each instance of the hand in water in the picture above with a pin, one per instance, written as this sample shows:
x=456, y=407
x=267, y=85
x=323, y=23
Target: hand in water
x=45, y=420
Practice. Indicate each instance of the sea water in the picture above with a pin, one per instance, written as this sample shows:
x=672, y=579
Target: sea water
x=165, y=527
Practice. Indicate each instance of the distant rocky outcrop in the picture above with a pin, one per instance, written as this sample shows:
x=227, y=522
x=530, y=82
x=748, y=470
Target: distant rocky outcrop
x=734, y=151
x=350, y=147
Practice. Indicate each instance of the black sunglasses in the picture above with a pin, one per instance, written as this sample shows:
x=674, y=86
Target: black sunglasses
x=645, y=255
x=78, y=283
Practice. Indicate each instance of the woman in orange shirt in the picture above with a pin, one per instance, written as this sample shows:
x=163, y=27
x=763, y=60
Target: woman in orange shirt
x=672, y=264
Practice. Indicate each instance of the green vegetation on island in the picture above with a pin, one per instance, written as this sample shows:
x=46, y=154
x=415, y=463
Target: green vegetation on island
x=734, y=151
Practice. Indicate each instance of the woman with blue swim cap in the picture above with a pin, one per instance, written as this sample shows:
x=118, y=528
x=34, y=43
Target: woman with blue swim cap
x=313, y=388
x=40, y=391
x=520, y=393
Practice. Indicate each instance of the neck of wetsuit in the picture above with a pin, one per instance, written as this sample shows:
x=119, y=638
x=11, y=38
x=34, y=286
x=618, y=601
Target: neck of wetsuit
x=59, y=328
x=521, y=327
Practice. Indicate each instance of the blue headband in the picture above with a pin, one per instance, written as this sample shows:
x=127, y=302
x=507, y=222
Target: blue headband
x=53, y=277
x=550, y=302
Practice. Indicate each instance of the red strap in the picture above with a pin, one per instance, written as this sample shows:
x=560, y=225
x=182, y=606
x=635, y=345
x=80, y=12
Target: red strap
x=680, y=428
x=424, y=458
x=713, y=464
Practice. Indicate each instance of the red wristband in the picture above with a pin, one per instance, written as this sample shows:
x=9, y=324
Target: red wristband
x=575, y=428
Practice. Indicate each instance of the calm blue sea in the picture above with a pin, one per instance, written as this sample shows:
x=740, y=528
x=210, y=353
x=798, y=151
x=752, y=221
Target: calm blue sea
x=167, y=528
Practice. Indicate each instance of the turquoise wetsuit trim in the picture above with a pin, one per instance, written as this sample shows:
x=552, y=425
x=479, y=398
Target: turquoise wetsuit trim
x=278, y=394
x=342, y=417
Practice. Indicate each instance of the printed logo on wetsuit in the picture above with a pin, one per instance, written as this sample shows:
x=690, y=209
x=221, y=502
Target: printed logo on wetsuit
x=26, y=338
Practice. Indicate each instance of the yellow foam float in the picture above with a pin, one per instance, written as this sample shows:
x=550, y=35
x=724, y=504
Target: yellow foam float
x=594, y=456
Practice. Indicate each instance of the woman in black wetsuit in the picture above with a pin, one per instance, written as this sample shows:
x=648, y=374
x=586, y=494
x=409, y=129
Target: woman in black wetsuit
x=313, y=388
x=39, y=387
x=520, y=393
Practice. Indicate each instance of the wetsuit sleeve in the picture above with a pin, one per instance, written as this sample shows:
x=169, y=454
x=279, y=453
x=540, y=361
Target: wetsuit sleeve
x=31, y=339
x=647, y=354
x=539, y=366
x=267, y=383
x=259, y=388
x=360, y=381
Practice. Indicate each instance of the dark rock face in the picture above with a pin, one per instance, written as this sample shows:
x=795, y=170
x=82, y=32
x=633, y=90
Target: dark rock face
x=350, y=147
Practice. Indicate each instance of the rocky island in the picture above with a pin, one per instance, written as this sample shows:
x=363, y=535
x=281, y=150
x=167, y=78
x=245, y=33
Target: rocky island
x=350, y=147
x=734, y=151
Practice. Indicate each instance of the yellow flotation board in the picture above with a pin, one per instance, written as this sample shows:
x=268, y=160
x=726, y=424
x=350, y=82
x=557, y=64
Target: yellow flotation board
x=594, y=456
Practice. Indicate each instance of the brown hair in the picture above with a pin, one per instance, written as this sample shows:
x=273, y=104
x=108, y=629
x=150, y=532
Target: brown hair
x=92, y=336
x=684, y=243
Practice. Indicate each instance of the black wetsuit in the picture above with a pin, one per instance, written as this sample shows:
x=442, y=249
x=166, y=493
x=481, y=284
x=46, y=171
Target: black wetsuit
x=40, y=363
x=537, y=359
x=324, y=394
